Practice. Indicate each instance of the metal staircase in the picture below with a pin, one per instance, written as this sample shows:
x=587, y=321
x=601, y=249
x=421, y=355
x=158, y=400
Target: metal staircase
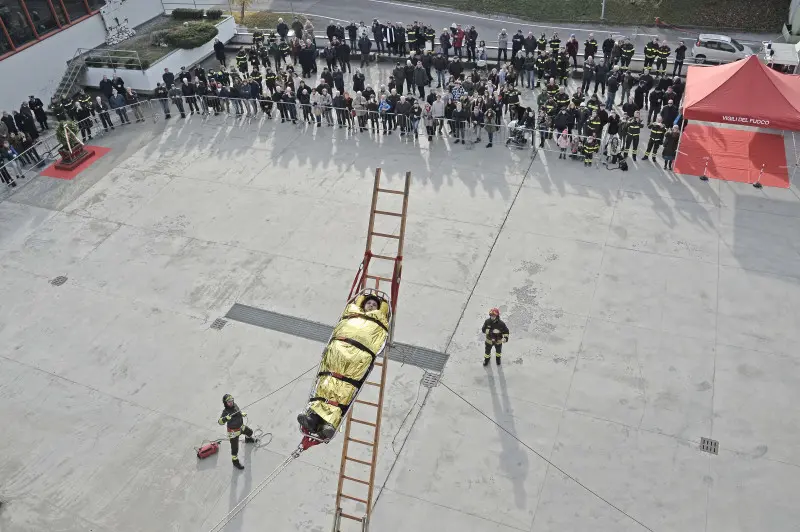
x=93, y=57
x=355, y=490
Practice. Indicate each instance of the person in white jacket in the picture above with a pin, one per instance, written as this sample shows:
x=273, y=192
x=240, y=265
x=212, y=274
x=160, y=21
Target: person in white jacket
x=437, y=109
x=360, y=108
x=326, y=101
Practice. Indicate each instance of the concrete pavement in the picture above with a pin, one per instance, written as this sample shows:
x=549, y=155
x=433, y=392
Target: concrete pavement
x=647, y=310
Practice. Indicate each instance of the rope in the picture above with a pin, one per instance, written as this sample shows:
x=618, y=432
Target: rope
x=252, y=495
x=273, y=392
x=531, y=449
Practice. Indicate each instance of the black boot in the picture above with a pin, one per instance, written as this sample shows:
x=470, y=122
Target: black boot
x=250, y=439
x=497, y=360
x=237, y=464
x=486, y=361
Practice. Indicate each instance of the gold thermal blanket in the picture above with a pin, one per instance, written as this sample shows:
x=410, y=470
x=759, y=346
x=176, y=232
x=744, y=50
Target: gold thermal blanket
x=347, y=359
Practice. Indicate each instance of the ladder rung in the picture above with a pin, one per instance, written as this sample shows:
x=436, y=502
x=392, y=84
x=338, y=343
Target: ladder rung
x=353, y=498
x=379, y=364
x=387, y=213
x=378, y=278
x=384, y=257
x=362, y=442
x=356, y=480
x=363, y=422
x=358, y=460
x=390, y=191
x=384, y=235
x=354, y=518
x=372, y=383
x=370, y=403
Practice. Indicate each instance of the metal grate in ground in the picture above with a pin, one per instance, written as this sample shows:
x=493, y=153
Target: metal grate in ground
x=426, y=359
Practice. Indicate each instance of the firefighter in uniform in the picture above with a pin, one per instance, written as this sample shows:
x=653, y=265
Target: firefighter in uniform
x=626, y=50
x=590, y=147
x=540, y=65
x=657, y=131
x=563, y=68
x=270, y=80
x=650, y=52
x=241, y=60
x=234, y=419
x=555, y=44
x=590, y=47
x=252, y=56
x=541, y=44
x=58, y=109
x=258, y=38
x=496, y=335
x=411, y=37
x=84, y=99
x=661, y=60
x=632, y=140
x=284, y=49
x=430, y=34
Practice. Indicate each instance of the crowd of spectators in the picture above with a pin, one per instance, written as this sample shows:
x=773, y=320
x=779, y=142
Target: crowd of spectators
x=441, y=80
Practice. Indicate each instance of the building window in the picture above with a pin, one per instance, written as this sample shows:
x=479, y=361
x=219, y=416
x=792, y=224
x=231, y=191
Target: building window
x=16, y=22
x=26, y=21
x=75, y=8
x=5, y=46
x=42, y=17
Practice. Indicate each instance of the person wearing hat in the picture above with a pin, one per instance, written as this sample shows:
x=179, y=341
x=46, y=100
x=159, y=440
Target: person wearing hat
x=496, y=335
x=233, y=418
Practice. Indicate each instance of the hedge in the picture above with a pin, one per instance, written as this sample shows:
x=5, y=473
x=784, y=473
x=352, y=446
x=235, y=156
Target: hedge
x=191, y=35
x=214, y=14
x=187, y=14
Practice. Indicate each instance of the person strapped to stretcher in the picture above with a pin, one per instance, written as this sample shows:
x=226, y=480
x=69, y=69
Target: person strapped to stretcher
x=358, y=338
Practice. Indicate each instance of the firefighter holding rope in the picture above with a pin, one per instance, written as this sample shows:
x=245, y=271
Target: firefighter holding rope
x=233, y=417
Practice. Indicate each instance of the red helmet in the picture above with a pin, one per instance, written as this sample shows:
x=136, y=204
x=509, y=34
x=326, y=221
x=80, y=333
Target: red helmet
x=494, y=312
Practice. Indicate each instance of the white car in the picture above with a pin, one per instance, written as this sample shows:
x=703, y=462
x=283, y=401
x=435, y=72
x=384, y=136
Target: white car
x=711, y=48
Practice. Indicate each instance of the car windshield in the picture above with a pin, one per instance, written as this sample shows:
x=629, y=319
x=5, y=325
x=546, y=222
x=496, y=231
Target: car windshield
x=737, y=45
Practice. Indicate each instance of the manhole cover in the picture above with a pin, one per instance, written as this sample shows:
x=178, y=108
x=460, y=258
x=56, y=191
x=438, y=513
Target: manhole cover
x=218, y=324
x=58, y=281
x=709, y=445
x=430, y=380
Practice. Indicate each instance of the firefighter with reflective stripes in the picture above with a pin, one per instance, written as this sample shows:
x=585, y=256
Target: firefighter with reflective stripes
x=661, y=60
x=555, y=44
x=258, y=38
x=234, y=419
x=496, y=335
x=541, y=60
x=657, y=131
x=650, y=52
x=241, y=60
x=590, y=147
x=411, y=37
x=541, y=43
x=632, y=140
x=552, y=88
x=626, y=54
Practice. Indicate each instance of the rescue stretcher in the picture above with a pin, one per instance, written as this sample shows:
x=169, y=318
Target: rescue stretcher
x=357, y=340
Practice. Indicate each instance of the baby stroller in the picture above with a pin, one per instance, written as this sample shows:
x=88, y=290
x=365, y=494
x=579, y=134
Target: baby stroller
x=516, y=135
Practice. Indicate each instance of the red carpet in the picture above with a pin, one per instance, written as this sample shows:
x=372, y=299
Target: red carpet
x=51, y=170
x=733, y=155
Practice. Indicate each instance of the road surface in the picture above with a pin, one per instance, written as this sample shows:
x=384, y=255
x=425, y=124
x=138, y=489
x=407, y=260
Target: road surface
x=488, y=26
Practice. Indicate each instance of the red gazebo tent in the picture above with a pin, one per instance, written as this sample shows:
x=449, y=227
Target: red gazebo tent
x=745, y=93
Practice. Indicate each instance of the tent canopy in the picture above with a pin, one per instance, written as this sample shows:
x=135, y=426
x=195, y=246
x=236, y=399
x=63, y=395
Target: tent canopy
x=746, y=92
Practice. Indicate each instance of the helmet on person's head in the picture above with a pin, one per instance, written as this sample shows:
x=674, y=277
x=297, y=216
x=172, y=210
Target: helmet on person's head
x=494, y=312
x=227, y=398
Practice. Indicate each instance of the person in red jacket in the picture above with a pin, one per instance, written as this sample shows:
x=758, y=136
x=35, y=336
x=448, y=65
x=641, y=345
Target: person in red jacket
x=458, y=40
x=572, y=50
x=496, y=335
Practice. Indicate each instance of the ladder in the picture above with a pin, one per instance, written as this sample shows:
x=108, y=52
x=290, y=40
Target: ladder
x=354, y=494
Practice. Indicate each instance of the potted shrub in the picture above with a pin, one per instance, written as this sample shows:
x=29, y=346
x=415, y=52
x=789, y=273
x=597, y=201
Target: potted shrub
x=191, y=35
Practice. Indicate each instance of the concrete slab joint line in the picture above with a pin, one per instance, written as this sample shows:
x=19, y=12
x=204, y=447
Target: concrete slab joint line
x=426, y=359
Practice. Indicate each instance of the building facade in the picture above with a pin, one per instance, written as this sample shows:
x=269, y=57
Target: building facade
x=39, y=37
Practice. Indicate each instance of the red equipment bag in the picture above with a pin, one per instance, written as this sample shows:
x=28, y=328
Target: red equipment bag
x=207, y=449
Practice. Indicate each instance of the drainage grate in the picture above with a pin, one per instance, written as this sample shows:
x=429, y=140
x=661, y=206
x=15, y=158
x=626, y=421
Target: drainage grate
x=420, y=357
x=218, y=324
x=709, y=445
x=430, y=380
x=58, y=281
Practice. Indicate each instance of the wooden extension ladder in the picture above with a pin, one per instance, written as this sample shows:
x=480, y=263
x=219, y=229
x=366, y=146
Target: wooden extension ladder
x=354, y=494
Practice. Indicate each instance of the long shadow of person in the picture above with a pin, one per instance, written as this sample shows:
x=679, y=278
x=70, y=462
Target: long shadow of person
x=513, y=458
x=246, y=478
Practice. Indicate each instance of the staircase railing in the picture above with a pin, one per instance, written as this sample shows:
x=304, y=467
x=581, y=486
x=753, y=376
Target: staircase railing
x=128, y=59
